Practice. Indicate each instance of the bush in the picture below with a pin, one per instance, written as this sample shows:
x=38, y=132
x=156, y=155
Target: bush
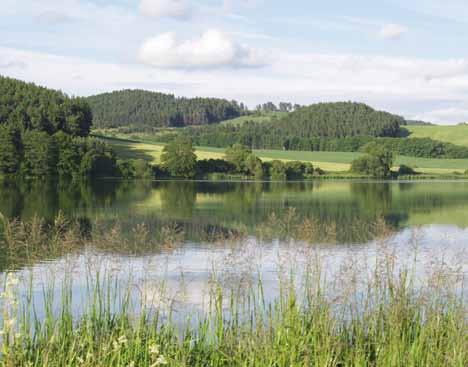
x=295, y=170
x=259, y=172
x=237, y=155
x=205, y=166
x=179, y=158
x=405, y=170
x=278, y=171
x=377, y=163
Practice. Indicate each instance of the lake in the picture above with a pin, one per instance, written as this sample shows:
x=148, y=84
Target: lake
x=238, y=232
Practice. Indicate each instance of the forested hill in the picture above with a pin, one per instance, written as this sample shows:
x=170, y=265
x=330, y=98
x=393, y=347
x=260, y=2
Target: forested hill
x=30, y=107
x=44, y=134
x=150, y=109
x=339, y=120
x=301, y=127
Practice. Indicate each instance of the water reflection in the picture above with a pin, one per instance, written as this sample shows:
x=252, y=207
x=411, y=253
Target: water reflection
x=197, y=213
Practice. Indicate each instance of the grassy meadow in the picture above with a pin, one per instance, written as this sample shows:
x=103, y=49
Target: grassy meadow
x=328, y=161
x=258, y=117
x=455, y=134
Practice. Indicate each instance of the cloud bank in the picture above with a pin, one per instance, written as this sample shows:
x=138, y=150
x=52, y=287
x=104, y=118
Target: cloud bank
x=392, y=31
x=213, y=49
x=178, y=9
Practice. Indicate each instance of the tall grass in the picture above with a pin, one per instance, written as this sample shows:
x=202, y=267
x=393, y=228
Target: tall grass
x=383, y=315
x=390, y=323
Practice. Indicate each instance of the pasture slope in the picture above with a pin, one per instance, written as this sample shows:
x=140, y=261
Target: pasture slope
x=455, y=134
x=328, y=161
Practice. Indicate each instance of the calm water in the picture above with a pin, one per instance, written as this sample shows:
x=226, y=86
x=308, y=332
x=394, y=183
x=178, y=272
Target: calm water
x=429, y=216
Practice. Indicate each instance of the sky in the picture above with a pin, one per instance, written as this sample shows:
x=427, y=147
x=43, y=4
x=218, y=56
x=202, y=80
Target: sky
x=406, y=57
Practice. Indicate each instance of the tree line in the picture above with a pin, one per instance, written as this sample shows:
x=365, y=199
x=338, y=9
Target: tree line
x=323, y=120
x=44, y=133
x=179, y=160
x=307, y=135
x=139, y=108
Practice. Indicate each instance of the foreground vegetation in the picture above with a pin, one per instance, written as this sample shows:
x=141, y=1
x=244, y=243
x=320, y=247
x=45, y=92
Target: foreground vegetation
x=384, y=315
x=397, y=329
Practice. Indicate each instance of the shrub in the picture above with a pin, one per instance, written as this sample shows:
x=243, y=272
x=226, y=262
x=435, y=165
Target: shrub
x=278, y=171
x=295, y=170
x=405, y=170
x=179, y=158
x=377, y=163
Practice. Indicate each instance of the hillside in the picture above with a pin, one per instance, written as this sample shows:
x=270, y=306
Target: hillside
x=307, y=128
x=144, y=109
x=44, y=134
x=329, y=161
x=338, y=120
x=31, y=107
x=455, y=134
x=296, y=130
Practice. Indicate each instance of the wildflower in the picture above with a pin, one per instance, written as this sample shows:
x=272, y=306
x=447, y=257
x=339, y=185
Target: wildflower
x=154, y=349
x=131, y=364
x=11, y=281
x=115, y=346
x=122, y=340
x=10, y=324
x=9, y=308
x=160, y=361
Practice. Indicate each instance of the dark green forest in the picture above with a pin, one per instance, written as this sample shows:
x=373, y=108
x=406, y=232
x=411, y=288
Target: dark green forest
x=334, y=127
x=339, y=120
x=44, y=133
x=139, y=108
x=256, y=136
x=30, y=107
x=320, y=121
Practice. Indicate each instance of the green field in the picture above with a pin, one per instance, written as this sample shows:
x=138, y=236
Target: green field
x=328, y=161
x=261, y=117
x=455, y=134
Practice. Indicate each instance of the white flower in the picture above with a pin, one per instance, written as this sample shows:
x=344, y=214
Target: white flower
x=122, y=340
x=154, y=349
x=159, y=362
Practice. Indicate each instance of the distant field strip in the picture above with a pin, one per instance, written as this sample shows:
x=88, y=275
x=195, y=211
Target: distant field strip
x=263, y=117
x=329, y=161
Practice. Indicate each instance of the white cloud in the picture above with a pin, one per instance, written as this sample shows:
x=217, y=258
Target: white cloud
x=53, y=17
x=12, y=64
x=231, y=5
x=395, y=84
x=213, y=49
x=178, y=9
x=392, y=31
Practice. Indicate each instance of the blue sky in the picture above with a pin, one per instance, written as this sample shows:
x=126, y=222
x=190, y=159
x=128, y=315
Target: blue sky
x=409, y=57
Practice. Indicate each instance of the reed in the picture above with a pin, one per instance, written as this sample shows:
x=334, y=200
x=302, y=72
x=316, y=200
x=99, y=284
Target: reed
x=379, y=315
x=390, y=323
